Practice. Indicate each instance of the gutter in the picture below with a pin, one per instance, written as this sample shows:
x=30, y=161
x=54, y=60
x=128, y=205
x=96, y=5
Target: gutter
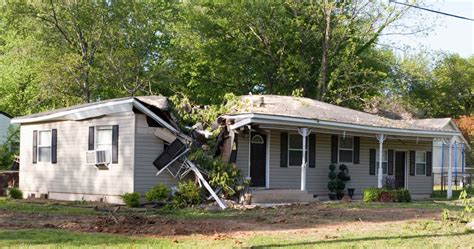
x=283, y=120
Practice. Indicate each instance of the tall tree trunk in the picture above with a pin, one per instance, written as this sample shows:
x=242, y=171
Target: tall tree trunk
x=322, y=83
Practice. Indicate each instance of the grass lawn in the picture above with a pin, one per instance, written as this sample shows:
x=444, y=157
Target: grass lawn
x=328, y=225
x=410, y=235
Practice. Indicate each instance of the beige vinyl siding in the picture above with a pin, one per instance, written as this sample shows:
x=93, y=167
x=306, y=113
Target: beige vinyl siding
x=72, y=175
x=4, y=124
x=317, y=179
x=147, y=148
x=243, y=154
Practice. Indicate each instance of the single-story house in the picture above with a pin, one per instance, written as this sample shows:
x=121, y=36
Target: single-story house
x=96, y=151
x=271, y=131
x=4, y=125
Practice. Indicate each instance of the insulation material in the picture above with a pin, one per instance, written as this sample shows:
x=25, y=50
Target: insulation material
x=165, y=135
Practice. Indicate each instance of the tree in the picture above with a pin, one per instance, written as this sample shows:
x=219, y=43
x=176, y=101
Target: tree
x=326, y=50
x=93, y=50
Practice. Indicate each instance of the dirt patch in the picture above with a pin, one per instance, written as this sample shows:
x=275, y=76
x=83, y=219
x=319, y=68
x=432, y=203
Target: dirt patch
x=298, y=218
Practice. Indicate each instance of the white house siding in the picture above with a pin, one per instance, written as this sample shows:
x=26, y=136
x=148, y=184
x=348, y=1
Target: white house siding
x=4, y=124
x=147, y=148
x=72, y=178
x=317, y=178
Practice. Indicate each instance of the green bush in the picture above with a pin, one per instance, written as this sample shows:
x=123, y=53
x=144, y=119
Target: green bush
x=370, y=194
x=188, y=194
x=131, y=199
x=158, y=193
x=401, y=195
x=15, y=193
x=397, y=195
x=221, y=174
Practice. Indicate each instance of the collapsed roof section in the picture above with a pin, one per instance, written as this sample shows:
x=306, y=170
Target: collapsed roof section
x=155, y=107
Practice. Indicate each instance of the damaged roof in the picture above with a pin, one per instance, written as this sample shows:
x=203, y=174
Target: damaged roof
x=312, y=109
x=94, y=109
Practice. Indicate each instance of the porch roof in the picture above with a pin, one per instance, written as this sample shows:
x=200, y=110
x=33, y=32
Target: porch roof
x=304, y=112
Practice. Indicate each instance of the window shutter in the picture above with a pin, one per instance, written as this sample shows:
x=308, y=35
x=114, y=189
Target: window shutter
x=54, y=146
x=91, y=138
x=429, y=164
x=356, y=150
x=372, y=162
x=115, y=136
x=412, y=162
x=390, y=162
x=334, y=147
x=283, y=149
x=312, y=151
x=35, y=146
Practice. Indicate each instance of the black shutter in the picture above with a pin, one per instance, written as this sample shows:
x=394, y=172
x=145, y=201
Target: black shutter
x=283, y=149
x=54, y=146
x=115, y=136
x=372, y=162
x=334, y=147
x=312, y=151
x=91, y=138
x=35, y=146
x=390, y=162
x=356, y=150
x=429, y=164
x=412, y=162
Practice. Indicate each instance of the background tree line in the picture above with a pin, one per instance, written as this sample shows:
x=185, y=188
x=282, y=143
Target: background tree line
x=55, y=54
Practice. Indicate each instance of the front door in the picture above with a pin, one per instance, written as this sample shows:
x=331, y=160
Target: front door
x=400, y=169
x=258, y=159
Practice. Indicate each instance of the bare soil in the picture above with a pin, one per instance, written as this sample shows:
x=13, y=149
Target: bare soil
x=291, y=219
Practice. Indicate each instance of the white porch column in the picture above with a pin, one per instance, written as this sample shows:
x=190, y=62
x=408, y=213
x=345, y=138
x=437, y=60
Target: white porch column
x=304, y=132
x=450, y=169
x=381, y=138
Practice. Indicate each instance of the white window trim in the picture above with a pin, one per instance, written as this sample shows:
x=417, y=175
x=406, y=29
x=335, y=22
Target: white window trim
x=38, y=146
x=377, y=162
x=346, y=149
x=290, y=149
x=416, y=163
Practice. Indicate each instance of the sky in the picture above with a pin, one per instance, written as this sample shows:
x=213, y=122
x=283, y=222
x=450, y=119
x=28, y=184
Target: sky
x=447, y=33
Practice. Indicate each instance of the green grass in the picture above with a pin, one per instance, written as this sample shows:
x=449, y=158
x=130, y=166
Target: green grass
x=21, y=206
x=423, y=234
x=427, y=204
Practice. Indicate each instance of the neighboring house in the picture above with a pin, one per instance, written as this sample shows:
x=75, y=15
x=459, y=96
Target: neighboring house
x=4, y=125
x=441, y=159
x=96, y=151
x=269, y=131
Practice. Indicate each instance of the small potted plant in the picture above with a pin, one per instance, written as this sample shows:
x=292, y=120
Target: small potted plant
x=332, y=184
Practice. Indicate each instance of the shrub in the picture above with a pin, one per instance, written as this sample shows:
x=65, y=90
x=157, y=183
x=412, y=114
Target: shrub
x=221, y=174
x=15, y=193
x=370, y=194
x=188, y=194
x=158, y=193
x=388, y=182
x=401, y=195
x=386, y=195
x=332, y=184
x=131, y=199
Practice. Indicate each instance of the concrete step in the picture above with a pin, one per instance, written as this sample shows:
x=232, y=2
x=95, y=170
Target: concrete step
x=281, y=196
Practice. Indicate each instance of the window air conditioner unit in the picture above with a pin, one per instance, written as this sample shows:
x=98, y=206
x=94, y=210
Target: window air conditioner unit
x=100, y=158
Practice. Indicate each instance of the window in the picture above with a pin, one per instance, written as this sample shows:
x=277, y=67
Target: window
x=420, y=163
x=384, y=162
x=257, y=139
x=44, y=146
x=346, y=149
x=295, y=149
x=104, y=139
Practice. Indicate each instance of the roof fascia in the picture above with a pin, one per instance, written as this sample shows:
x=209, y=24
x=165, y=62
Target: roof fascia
x=282, y=120
x=74, y=112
